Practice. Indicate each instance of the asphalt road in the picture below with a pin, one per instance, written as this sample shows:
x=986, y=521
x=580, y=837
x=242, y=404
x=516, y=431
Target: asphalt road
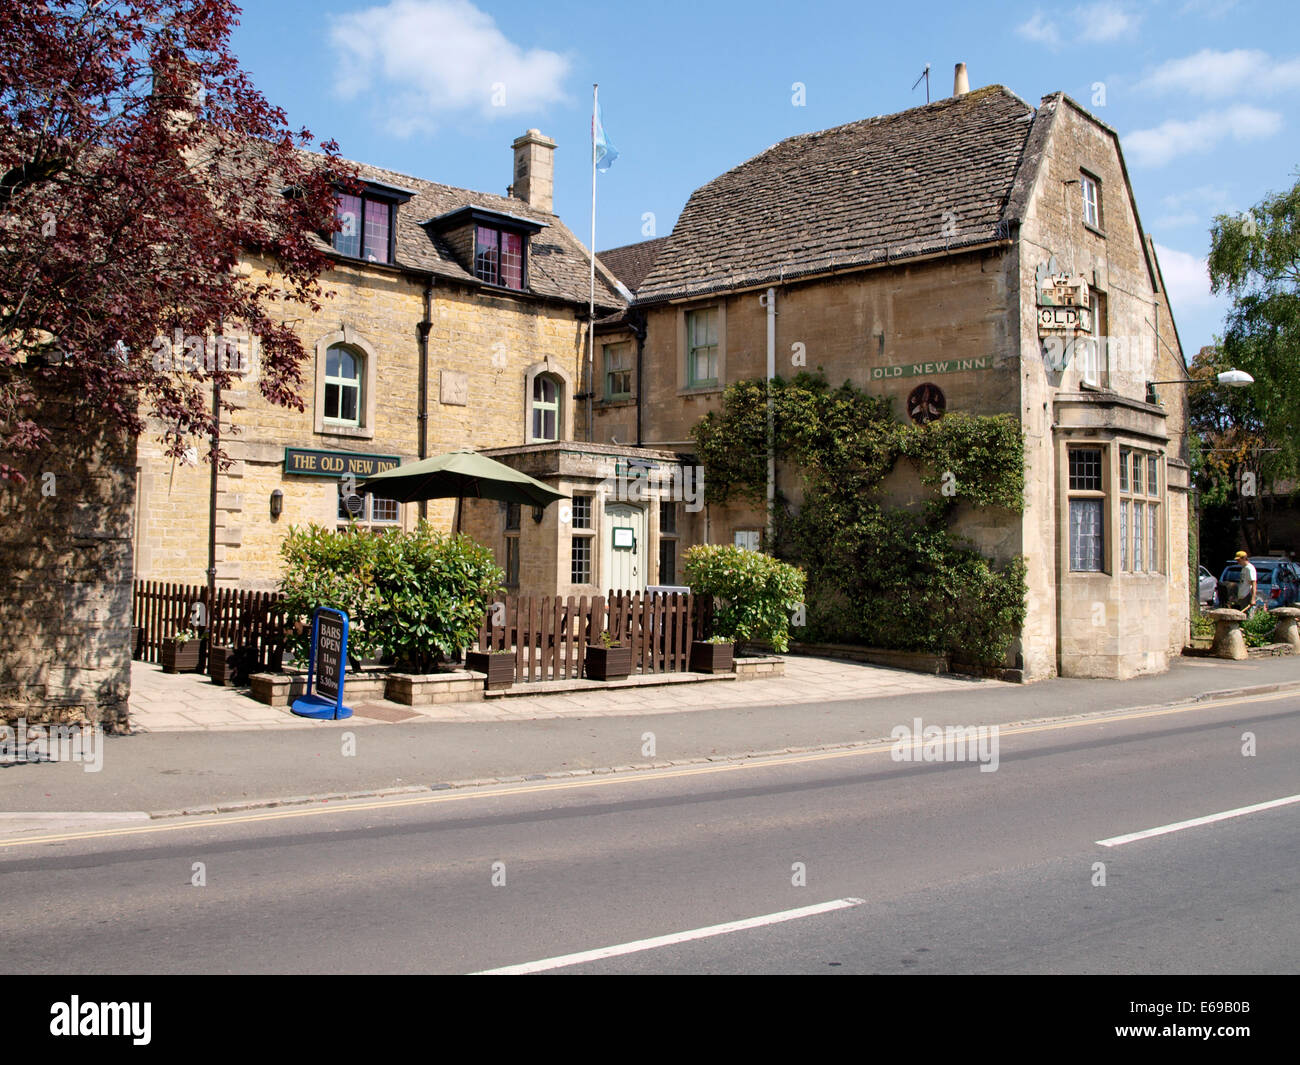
x=956, y=870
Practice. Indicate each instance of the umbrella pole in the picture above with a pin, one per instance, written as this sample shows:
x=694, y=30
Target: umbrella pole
x=460, y=505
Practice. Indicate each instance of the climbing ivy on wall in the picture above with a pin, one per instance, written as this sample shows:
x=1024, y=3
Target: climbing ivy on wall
x=878, y=575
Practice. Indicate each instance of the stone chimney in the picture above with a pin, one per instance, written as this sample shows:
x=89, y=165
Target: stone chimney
x=534, y=171
x=960, y=82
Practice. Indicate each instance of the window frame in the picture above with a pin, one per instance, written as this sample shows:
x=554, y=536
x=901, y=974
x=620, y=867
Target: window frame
x=365, y=197
x=583, y=537
x=497, y=280
x=1143, y=548
x=366, y=518
x=621, y=347
x=1086, y=180
x=1081, y=495
x=536, y=407
x=692, y=381
x=357, y=383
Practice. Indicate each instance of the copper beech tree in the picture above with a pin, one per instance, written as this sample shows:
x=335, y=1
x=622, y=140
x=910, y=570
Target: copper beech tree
x=138, y=163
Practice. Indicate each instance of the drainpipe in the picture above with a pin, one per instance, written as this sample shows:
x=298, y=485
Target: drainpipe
x=636, y=322
x=422, y=418
x=768, y=300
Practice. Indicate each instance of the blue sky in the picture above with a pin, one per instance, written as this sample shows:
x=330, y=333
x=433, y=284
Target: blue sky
x=1202, y=92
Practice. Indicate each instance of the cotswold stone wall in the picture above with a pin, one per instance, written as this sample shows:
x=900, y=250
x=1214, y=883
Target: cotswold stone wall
x=65, y=577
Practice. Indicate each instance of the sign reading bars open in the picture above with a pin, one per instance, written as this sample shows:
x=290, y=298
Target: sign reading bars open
x=329, y=658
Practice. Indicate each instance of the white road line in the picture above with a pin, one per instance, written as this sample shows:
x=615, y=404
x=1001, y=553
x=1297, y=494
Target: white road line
x=665, y=941
x=1164, y=830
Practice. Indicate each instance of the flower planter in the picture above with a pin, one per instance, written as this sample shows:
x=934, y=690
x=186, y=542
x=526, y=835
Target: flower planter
x=225, y=666
x=181, y=657
x=500, y=668
x=608, y=663
x=712, y=657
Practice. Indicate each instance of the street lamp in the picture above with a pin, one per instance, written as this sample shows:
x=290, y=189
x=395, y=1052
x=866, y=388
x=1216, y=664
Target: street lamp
x=1231, y=378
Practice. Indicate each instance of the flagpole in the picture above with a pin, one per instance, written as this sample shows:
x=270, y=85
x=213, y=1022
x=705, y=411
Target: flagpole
x=591, y=306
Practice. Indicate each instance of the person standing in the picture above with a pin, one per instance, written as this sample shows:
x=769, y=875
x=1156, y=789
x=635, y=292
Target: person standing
x=1247, y=582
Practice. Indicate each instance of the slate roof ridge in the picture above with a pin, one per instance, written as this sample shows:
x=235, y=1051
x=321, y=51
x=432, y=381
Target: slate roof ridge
x=935, y=178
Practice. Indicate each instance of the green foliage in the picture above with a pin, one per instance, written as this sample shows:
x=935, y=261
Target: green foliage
x=1202, y=627
x=1255, y=258
x=1258, y=628
x=756, y=592
x=886, y=577
x=416, y=596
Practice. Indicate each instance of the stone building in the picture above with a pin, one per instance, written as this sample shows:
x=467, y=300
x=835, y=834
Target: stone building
x=977, y=254
x=453, y=319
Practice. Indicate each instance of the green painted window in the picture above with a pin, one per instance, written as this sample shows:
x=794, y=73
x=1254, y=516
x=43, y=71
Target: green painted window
x=702, y=347
x=618, y=370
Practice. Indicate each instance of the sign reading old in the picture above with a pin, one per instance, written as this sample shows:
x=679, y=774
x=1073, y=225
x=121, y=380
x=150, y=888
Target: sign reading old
x=929, y=369
x=311, y=463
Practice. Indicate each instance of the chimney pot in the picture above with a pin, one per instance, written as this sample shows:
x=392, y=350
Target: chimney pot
x=534, y=173
x=960, y=82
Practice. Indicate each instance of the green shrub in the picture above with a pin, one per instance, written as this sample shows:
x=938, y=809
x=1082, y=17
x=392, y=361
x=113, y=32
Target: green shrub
x=1258, y=629
x=418, y=596
x=756, y=593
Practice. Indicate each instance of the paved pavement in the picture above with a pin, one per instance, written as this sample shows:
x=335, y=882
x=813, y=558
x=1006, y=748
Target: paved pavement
x=188, y=702
x=233, y=767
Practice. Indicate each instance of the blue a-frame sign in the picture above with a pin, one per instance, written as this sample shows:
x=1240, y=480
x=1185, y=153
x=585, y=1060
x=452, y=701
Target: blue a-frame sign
x=329, y=659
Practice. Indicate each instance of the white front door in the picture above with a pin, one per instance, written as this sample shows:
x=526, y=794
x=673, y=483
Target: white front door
x=623, y=552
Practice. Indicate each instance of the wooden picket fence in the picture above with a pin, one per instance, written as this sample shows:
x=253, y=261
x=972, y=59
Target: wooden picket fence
x=239, y=618
x=549, y=634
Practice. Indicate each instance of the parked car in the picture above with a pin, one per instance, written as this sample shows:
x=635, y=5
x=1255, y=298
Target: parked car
x=1207, y=589
x=1277, y=582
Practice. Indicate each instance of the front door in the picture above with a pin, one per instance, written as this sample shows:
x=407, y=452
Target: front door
x=624, y=548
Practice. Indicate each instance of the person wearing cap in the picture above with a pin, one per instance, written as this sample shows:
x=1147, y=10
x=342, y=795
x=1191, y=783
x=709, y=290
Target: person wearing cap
x=1247, y=582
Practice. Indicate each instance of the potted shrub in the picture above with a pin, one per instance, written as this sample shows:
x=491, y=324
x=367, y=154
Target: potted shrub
x=713, y=655
x=498, y=665
x=755, y=593
x=180, y=654
x=608, y=659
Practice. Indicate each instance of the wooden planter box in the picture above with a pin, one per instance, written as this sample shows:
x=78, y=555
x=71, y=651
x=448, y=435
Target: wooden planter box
x=608, y=663
x=221, y=665
x=712, y=657
x=181, y=657
x=500, y=668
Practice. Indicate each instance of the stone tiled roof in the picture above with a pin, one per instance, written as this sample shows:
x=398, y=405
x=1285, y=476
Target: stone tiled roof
x=933, y=178
x=558, y=263
x=632, y=262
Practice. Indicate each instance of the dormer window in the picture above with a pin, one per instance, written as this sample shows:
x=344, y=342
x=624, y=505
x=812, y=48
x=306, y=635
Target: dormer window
x=367, y=223
x=499, y=257
x=492, y=246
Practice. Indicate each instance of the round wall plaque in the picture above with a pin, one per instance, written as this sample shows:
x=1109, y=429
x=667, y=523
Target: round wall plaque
x=926, y=403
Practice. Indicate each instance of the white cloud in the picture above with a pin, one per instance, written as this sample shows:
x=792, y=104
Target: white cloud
x=1039, y=30
x=1193, y=207
x=1102, y=21
x=430, y=59
x=1105, y=22
x=1186, y=277
x=1214, y=75
x=1208, y=8
x=1163, y=143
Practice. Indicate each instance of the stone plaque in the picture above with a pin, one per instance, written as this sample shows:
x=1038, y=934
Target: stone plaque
x=454, y=388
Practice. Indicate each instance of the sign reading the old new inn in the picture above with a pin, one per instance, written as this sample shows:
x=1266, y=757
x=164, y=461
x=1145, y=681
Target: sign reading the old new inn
x=311, y=463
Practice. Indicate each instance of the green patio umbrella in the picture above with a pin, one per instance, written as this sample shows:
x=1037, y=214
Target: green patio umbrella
x=459, y=474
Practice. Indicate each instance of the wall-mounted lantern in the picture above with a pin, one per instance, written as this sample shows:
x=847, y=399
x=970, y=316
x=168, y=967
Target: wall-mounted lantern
x=277, y=504
x=538, y=513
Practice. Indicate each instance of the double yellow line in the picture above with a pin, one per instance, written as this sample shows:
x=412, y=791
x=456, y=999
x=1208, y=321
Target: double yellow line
x=604, y=780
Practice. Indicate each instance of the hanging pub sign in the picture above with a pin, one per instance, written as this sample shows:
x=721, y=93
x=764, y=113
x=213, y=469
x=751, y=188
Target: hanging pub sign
x=1063, y=302
x=309, y=462
x=325, y=671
